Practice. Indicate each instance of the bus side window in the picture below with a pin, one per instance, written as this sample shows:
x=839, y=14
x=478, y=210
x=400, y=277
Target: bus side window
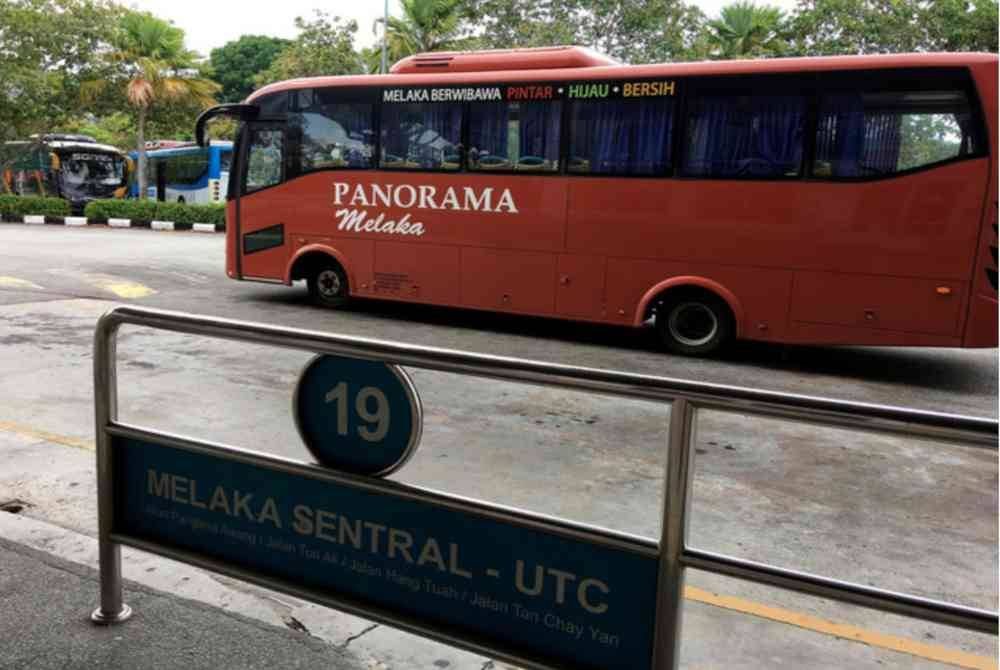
x=870, y=134
x=421, y=135
x=731, y=135
x=265, y=162
x=514, y=136
x=620, y=137
x=334, y=134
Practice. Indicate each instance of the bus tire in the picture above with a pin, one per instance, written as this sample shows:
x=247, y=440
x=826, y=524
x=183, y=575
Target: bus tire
x=328, y=284
x=694, y=323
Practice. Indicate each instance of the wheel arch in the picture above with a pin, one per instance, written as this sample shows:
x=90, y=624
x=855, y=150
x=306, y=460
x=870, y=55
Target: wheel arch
x=663, y=288
x=305, y=257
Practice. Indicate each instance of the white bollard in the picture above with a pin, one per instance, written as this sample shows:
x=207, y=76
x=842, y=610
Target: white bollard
x=120, y=223
x=34, y=218
x=75, y=220
x=162, y=225
x=203, y=228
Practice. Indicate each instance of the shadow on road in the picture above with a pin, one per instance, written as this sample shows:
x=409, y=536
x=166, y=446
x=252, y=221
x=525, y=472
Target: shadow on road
x=909, y=367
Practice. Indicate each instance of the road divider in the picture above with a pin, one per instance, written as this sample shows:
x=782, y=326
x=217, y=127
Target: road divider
x=82, y=221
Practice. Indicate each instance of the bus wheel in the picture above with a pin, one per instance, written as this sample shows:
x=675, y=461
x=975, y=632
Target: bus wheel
x=328, y=285
x=694, y=324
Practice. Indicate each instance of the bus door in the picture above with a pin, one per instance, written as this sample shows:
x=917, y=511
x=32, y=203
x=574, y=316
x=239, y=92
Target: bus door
x=264, y=207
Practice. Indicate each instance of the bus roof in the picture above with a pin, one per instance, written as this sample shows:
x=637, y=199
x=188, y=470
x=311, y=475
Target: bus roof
x=523, y=65
x=91, y=147
x=188, y=148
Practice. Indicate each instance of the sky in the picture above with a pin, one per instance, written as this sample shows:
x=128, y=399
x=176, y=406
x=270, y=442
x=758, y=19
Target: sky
x=209, y=24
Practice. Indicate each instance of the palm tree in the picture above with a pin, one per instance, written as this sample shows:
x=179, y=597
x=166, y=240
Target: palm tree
x=156, y=69
x=426, y=25
x=746, y=30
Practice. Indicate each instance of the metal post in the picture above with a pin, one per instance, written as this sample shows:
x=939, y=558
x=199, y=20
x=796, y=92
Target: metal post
x=670, y=582
x=385, y=37
x=112, y=609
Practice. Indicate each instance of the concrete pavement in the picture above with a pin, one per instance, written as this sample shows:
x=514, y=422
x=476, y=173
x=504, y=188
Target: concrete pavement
x=44, y=624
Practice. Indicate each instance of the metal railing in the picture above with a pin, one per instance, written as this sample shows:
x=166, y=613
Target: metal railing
x=686, y=399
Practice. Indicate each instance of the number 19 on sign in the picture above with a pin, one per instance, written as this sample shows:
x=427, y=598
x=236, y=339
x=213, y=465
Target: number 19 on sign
x=345, y=406
x=380, y=417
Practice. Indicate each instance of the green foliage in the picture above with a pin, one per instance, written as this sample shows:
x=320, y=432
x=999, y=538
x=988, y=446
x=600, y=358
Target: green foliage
x=152, y=68
x=137, y=210
x=961, y=25
x=833, y=27
x=928, y=138
x=13, y=207
x=325, y=46
x=632, y=31
x=116, y=129
x=236, y=63
x=151, y=210
x=746, y=30
x=47, y=48
x=426, y=25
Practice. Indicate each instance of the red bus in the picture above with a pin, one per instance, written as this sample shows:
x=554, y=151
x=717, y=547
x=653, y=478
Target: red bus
x=844, y=200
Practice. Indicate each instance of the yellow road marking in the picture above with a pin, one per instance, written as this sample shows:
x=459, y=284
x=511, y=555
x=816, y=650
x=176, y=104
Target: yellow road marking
x=120, y=287
x=14, y=282
x=931, y=652
x=32, y=434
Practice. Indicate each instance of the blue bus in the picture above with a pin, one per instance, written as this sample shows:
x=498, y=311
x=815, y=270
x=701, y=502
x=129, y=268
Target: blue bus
x=186, y=173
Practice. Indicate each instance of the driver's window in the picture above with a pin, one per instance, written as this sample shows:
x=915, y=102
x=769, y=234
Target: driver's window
x=751, y=136
x=876, y=133
x=265, y=161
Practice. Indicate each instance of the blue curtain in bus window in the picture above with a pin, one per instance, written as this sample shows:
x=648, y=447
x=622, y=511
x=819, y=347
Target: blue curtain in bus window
x=488, y=126
x=421, y=136
x=627, y=137
x=840, y=136
x=882, y=142
x=539, y=136
x=745, y=136
x=532, y=126
x=853, y=141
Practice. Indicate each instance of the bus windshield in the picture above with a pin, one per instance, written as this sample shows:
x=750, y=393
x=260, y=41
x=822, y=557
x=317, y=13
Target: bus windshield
x=105, y=169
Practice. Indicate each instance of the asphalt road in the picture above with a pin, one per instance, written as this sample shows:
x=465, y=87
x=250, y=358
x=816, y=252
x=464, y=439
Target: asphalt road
x=880, y=510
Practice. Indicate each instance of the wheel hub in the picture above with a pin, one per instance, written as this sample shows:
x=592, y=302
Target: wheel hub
x=693, y=324
x=329, y=283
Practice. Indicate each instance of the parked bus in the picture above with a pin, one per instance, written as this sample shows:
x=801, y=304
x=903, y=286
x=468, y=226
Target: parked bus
x=845, y=200
x=73, y=167
x=186, y=172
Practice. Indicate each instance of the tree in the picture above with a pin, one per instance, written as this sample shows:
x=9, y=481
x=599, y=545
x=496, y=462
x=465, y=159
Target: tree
x=153, y=70
x=324, y=46
x=831, y=27
x=746, y=30
x=632, y=31
x=235, y=64
x=426, y=25
x=47, y=47
x=960, y=25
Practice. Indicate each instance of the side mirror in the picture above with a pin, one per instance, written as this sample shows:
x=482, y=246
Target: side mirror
x=240, y=111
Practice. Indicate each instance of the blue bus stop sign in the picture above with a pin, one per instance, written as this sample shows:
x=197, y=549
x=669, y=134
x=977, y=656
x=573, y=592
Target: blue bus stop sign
x=357, y=416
